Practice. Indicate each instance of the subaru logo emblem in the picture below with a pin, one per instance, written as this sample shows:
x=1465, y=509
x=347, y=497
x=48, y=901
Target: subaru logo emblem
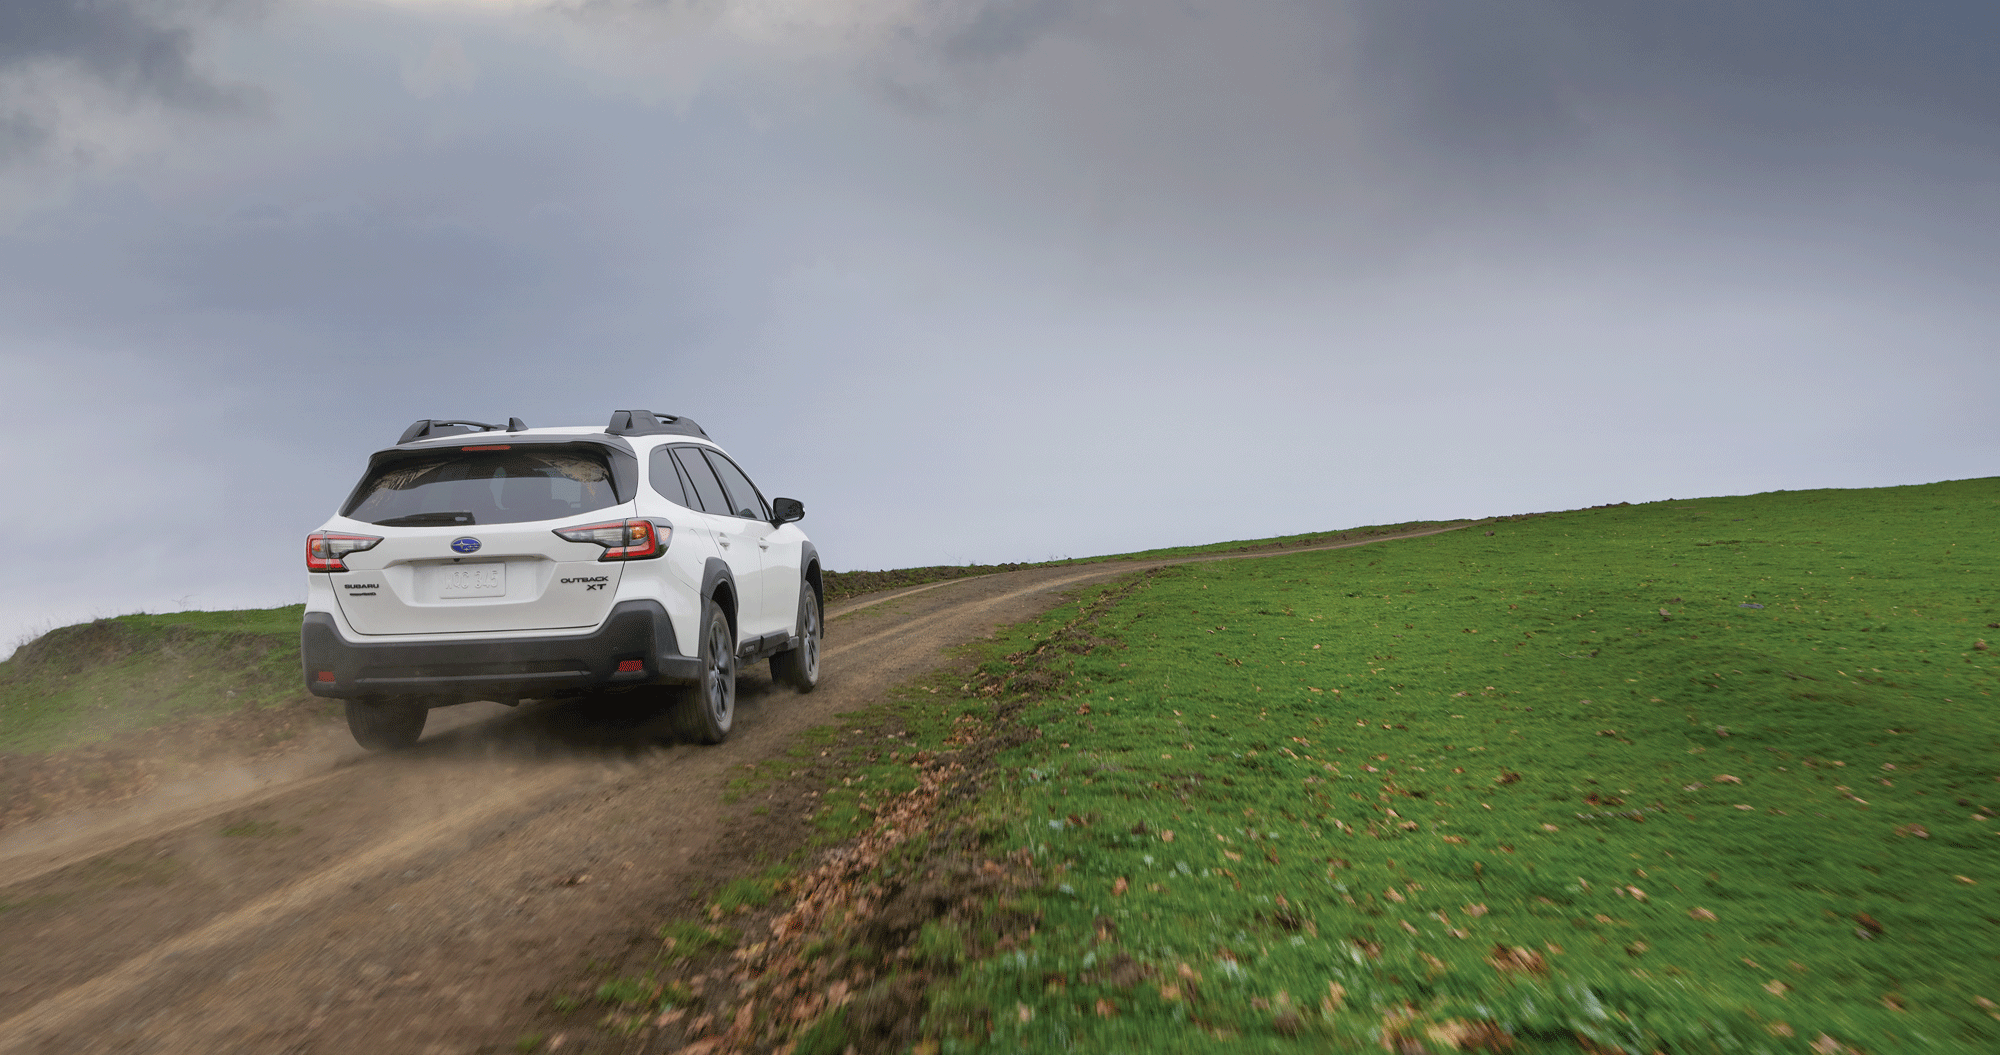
x=465, y=545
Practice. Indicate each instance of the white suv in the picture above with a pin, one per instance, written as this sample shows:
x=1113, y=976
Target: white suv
x=500, y=562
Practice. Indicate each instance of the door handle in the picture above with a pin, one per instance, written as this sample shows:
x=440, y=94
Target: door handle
x=723, y=542
x=763, y=545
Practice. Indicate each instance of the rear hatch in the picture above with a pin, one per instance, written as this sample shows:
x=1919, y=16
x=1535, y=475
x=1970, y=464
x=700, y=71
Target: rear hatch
x=468, y=542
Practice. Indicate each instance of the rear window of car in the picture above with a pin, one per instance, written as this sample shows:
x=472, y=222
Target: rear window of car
x=483, y=487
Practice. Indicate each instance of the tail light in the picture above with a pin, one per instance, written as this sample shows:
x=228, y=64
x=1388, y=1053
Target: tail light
x=623, y=539
x=324, y=549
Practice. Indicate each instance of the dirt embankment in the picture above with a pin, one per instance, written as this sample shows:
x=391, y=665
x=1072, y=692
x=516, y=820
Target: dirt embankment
x=146, y=704
x=429, y=901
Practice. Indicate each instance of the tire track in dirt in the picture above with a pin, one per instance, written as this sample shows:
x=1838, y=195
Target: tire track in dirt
x=72, y=1004
x=427, y=901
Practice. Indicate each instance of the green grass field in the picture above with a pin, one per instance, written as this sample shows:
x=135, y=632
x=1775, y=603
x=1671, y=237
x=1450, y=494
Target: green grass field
x=93, y=681
x=1713, y=775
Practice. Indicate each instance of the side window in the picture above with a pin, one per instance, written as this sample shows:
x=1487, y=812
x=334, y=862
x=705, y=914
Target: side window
x=746, y=502
x=667, y=480
x=706, y=487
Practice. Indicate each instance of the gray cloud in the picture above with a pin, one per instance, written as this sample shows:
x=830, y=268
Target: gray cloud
x=22, y=137
x=1806, y=81
x=131, y=53
x=1002, y=28
x=1487, y=93
x=120, y=42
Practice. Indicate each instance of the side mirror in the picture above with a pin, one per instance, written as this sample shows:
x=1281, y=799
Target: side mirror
x=786, y=510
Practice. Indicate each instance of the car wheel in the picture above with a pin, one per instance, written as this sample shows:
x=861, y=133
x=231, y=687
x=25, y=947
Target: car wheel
x=386, y=725
x=799, y=667
x=707, y=709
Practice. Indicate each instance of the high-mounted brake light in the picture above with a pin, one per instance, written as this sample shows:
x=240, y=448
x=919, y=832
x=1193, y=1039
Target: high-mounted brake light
x=324, y=549
x=490, y=447
x=622, y=539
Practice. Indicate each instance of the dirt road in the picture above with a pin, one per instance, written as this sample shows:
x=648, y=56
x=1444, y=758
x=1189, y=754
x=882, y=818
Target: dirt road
x=424, y=902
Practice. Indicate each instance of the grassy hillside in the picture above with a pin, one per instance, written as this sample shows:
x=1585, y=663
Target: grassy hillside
x=94, y=681
x=1716, y=776
x=1692, y=775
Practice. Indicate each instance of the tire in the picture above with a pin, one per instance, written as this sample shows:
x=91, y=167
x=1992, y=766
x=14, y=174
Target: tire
x=799, y=667
x=706, y=710
x=386, y=725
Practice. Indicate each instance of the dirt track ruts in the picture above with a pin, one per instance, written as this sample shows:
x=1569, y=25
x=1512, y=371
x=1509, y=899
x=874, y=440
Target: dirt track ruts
x=423, y=902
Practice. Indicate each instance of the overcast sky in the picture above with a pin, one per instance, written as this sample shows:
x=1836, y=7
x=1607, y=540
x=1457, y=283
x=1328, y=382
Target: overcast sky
x=982, y=280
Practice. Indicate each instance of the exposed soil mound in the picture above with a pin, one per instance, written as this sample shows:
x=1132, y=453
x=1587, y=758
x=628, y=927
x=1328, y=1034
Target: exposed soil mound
x=98, y=712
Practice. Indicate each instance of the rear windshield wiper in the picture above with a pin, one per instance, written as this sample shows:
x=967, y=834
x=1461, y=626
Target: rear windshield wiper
x=427, y=520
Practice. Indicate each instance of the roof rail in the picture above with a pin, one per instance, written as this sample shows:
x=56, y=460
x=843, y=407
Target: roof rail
x=647, y=423
x=426, y=428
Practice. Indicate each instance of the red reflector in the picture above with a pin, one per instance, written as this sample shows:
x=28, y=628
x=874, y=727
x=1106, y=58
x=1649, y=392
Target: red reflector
x=628, y=666
x=326, y=676
x=490, y=447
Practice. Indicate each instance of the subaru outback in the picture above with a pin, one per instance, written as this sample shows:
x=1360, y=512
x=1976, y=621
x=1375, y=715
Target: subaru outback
x=499, y=562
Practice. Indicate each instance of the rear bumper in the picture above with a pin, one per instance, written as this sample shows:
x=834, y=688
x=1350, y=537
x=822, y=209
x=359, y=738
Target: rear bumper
x=497, y=668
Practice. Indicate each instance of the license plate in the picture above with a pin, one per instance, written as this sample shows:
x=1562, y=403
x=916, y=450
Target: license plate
x=474, y=580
